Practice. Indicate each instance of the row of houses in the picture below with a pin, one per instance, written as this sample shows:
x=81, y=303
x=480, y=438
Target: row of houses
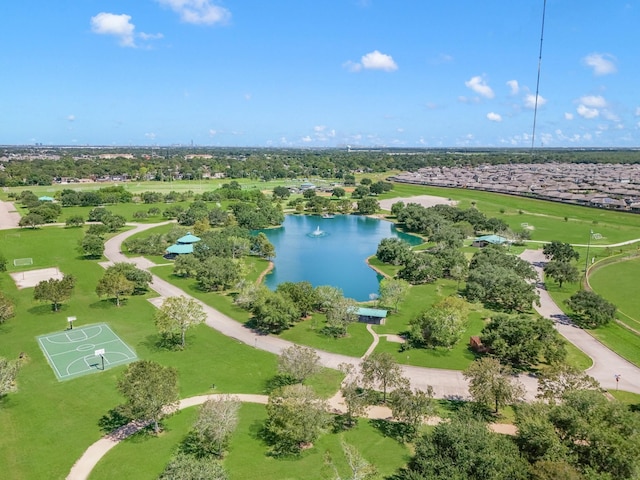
x=614, y=186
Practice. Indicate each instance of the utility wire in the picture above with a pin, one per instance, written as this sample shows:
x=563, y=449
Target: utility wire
x=535, y=107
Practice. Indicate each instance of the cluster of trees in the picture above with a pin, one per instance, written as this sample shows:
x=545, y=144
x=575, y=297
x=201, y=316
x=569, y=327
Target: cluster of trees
x=441, y=325
x=522, y=341
x=500, y=280
x=216, y=262
x=445, y=260
x=573, y=433
x=121, y=280
x=275, y=311
x=170, y=163
x=55, y=290
x=561, y=268
x=93, y=198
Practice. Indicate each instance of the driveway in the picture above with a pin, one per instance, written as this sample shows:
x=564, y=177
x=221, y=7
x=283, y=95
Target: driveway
x=606, y=363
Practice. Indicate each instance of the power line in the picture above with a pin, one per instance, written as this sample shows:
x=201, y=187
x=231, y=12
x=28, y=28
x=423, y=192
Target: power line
x=535, y=107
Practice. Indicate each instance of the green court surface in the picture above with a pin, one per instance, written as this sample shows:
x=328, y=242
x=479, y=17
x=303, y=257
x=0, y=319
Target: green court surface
x=78, y=351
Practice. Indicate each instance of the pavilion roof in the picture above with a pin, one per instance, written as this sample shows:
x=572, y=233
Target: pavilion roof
x=180, y=249
x=189, y=238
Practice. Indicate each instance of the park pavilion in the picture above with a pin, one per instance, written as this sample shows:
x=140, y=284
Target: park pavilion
x=183, y=246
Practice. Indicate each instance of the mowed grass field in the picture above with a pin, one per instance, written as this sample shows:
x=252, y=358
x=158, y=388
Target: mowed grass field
x=247, y=456
x=46, y=425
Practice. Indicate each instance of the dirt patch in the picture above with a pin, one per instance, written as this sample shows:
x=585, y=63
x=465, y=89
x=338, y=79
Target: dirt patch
x=424, y=200
x=31, y=278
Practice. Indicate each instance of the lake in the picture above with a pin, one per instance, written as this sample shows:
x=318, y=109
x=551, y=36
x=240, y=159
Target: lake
x=336, y=256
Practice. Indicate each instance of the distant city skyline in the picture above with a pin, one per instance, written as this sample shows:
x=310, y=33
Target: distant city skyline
x=364, y=73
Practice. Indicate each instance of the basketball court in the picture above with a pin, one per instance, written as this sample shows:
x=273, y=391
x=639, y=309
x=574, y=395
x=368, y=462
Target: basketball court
x=83, y=350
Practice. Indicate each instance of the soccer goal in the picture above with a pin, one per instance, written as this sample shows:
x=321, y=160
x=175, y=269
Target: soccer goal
x=22, y=262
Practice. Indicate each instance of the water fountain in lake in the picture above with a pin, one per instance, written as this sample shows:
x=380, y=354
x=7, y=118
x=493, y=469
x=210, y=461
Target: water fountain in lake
x=317, y=233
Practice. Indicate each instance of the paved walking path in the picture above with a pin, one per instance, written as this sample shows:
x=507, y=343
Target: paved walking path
x=446, y=383
x=85, y=464
x=606, y=363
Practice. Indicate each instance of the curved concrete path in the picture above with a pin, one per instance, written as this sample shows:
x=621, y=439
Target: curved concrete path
x=606, y=363
x=445, y=383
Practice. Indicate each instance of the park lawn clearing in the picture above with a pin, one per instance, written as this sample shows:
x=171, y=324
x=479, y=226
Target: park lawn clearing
x=75, y=352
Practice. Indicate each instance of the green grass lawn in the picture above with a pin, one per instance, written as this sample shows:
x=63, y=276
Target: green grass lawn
x=247, y=457
x=618, y=283
x=56, y=421
x=546, y=218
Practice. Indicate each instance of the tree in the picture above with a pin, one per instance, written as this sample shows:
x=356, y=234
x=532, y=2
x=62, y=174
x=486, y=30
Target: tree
x=150, y=390
x=326, y=296
x=560, y=252
x=393, y=291
x=8, y=372
x=338, y=192
x=561, y=272
x=421, y=268
x=218, y=273
x=92, y=246
x=299, y=362
x=340, y=315
x=75, y=221
x=411, y=407
x=274, y=312
x=556, y=381
x=522, y=341
x=32, y=220
x=301, y=293
x=261, y=246
x=296, y=417
x=140, y=278
x=500, y=288
x=491, y=384
x=217, y=420
x=355, y=397
x=281, y=193
x=393, y=250
x=465, y=449
x=590, y=309
x=441, y=325
x=381, y=370
x=177, y=315
x=7, y=308
x=189, y=467
x=114, y=284
x=361, y=191
x=368, y=206
x=3, y=263
x=54, y=290
x=186, y=266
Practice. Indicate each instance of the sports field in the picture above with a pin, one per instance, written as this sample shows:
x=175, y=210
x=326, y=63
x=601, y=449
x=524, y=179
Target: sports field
x=84, y=350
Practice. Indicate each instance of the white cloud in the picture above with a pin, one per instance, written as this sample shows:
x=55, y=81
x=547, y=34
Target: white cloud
x=530, y=101
x=198, y=12
x=247, y=96
x=306, y=139
x=601, y=63
x=150, y=36
x=568, y=116
x=378, y=61
x=587, y=112
x=372, y=61
x=494, y=117
x=594, y=101
x=319, y=128
x=513, y=85
x=478, y=85
x=213, y=132
x=119, y=26
x=71, y=118
x=150, y=136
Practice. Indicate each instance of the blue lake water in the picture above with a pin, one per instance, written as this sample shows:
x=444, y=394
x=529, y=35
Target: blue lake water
x=337, y=257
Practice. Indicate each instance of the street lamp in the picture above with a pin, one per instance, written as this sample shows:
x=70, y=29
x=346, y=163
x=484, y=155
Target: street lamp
x=586, y=260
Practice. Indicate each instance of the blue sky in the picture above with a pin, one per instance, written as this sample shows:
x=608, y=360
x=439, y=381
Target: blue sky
x=296, y=73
